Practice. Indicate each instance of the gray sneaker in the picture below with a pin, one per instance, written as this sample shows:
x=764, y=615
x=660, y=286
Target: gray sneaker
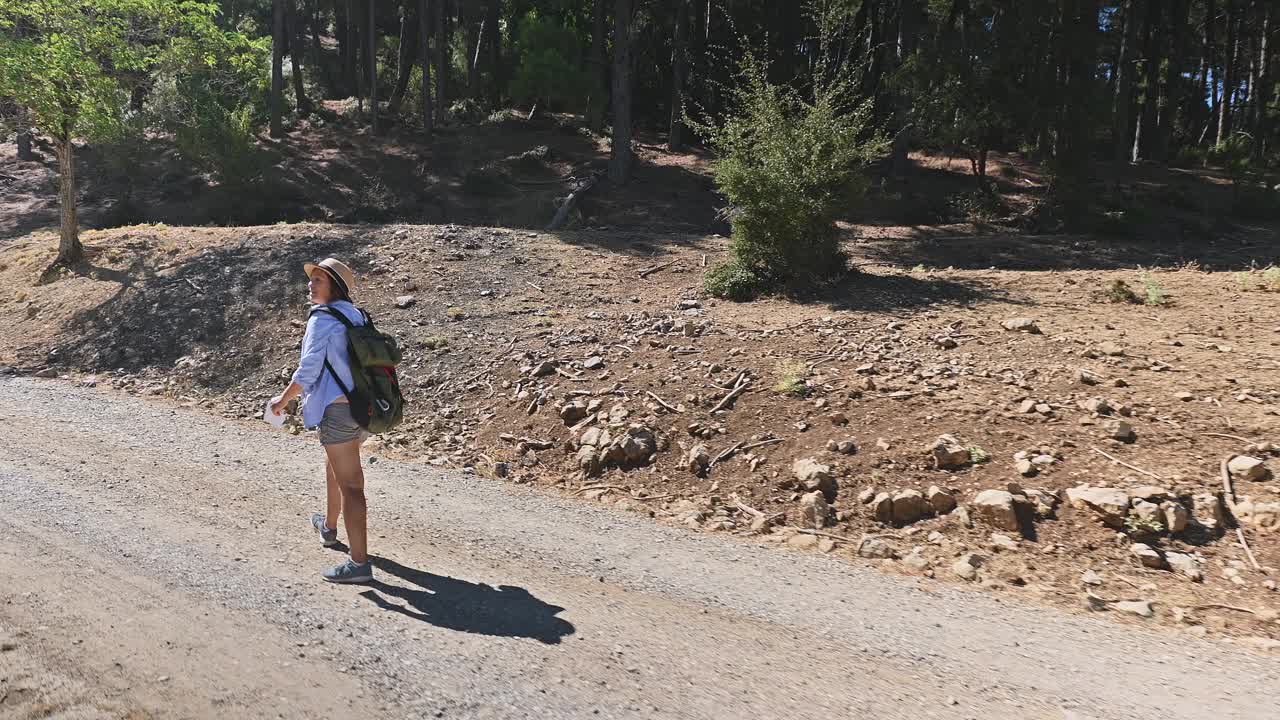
x=328, y=537
x=350, y=572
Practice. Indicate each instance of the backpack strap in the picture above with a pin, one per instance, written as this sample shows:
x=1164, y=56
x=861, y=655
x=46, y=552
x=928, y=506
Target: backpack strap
x=341, y=385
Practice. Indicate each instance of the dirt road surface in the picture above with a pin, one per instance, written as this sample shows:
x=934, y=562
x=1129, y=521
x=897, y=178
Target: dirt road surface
x=157, y=563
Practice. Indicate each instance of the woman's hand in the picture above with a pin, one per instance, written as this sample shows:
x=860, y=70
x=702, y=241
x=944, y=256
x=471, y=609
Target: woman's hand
x=278, y=404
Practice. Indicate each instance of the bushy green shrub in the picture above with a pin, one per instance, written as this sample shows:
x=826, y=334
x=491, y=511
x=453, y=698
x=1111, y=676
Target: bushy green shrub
x=788, y=163
x=548, y=71
x=732, y=281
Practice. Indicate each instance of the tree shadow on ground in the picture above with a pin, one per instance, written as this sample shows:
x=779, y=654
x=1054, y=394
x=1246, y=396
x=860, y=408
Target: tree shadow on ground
x=870, y=292
x=502, y=611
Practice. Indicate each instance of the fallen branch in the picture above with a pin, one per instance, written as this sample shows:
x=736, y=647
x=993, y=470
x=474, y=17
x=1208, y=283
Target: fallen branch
x=654, y=497
x=762, y=443
x=838, y=538
x=1134, y=468
x=728, y=453
x=733, y=395
x=1231, y=437
x=535, y=287
x=597, y=487
x=1231, y=504
x=661, y=402
x=747, y=509
x=649, y=271
x=563, y=213
x=1223, y=606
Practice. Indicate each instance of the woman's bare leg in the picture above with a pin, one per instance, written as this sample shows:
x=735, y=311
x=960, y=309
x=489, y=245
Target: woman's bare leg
x=344, y=460
x=334, y=490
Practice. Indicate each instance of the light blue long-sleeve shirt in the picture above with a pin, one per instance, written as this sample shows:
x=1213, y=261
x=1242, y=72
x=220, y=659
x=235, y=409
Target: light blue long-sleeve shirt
x=326, y=338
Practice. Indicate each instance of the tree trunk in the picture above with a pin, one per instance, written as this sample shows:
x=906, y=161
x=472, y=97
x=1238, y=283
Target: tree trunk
x=1208, y=70
x=441, y=57
x=408, y=53
x=24, y=136
x=1080, y=43
x=599, y=89
x=1172, y=83
x=1145, y=128
x=1228, y=74
x=277, y=68
x=316, y=51
x=342, y=29
x=620, y=153
x=473, y=59
x=1261, y=124
x=360, y=49
x=294, y=29
x=1124, y=83
x=497, y=85
x=908, y=30
x=679, y=73
x=69, y=249
x=372, y=61
x=424, y=57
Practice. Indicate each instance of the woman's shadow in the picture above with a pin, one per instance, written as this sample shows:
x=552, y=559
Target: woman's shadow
x=504, y=611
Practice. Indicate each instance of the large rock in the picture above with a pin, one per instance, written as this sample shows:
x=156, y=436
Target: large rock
x=1044, y=502
x=572, y=412
x=1176, y=516
x=1264, y=516
x=1185, y=564
x=814, y=510
x=1244, y=467
x=1021, y=324
x=813, y=475
x=876, y=548
x=967, y=566
x=1141, y=608
x=948, y=453
x=882, y=507
x=909, y=506
x=998, y=508
x=637, y=445
x=942, y=501
x=698, y=460
x=1122, y=431
x=1149, y=556
x=596, y=437
x=1110, y=504
x=588, y=459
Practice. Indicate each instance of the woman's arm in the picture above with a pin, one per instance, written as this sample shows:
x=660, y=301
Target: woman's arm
x=310, y=365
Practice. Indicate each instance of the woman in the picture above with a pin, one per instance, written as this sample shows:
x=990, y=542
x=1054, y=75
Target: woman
x=322, y=373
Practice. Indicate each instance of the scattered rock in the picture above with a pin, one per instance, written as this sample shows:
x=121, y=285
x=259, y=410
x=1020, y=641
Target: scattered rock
x=948, y=453
x=814, y=510
x=405, y=302
x=942, y=501
x=876, y=548
x=1185, y=396
x=908, y=506
x=1141, y=608
x=572, y=412
x=47, y=373
x=1149, y=556
x=846, y=447
x=882, y=507
x=698, y=460
x=1111, y=504
x=1087, y=377
x=1260, y=515
x=813, y=475
x=595, y=362
x=1004, y=542
x=1021, y=324
x=915, y=560
x=1025, y=468
x=997, y=508
x=1097, y=405
x=1150, y=514
x=1090, y=577
x=1111, y=349
x=1150, y=492
x=967, y=566
x=1176, y=516
x=1244, y=467
x=866, y=495
x=1044, y=502
x=801, y=541
x=1184, y=564
x=542, y=369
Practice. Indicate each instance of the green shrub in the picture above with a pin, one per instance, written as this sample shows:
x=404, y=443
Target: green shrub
x=1154, y=291
x=1119, y=292
x=1271, y=279
x=976, y=205
x=791, y=378
x=732, y=281
x=788, y=163
x=547, y=70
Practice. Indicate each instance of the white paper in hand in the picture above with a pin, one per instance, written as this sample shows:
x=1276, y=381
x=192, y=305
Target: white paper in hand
x=277, y=421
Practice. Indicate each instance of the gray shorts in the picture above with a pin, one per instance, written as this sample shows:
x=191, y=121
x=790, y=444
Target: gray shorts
x=337, y=426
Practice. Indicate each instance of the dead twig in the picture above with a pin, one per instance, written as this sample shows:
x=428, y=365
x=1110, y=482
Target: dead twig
x=1230, y=495
x=654, y=497
x=728, y=453
x=535, y=287
x=585, y=488
x=661, y=402
x=1223, y=606
x=747, y=508
x=762, y=443
x=649, y=271
x=1134, y=468
x=837, y=538
x=1230, y=437
x=733, y=395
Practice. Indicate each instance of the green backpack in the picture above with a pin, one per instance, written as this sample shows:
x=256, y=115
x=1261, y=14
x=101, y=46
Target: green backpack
x=375, y=399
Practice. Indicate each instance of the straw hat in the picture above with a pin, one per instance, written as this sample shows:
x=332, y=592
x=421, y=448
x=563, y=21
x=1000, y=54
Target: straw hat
x=339, y=272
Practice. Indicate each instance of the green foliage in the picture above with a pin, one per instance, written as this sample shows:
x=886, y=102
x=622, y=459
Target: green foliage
x=548, y=71
x=788, y=163
x=976, y=205
x=732, y=281
x=1271, y=279
x=1119, y=292
x=1155, y=295
x=791, y=378
x=1142, y=526
x=977, y=455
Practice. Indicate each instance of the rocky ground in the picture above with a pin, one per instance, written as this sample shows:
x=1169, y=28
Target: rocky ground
x=1028, y=430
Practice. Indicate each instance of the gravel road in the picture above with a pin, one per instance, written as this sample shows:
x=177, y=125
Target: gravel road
x=157, y=562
